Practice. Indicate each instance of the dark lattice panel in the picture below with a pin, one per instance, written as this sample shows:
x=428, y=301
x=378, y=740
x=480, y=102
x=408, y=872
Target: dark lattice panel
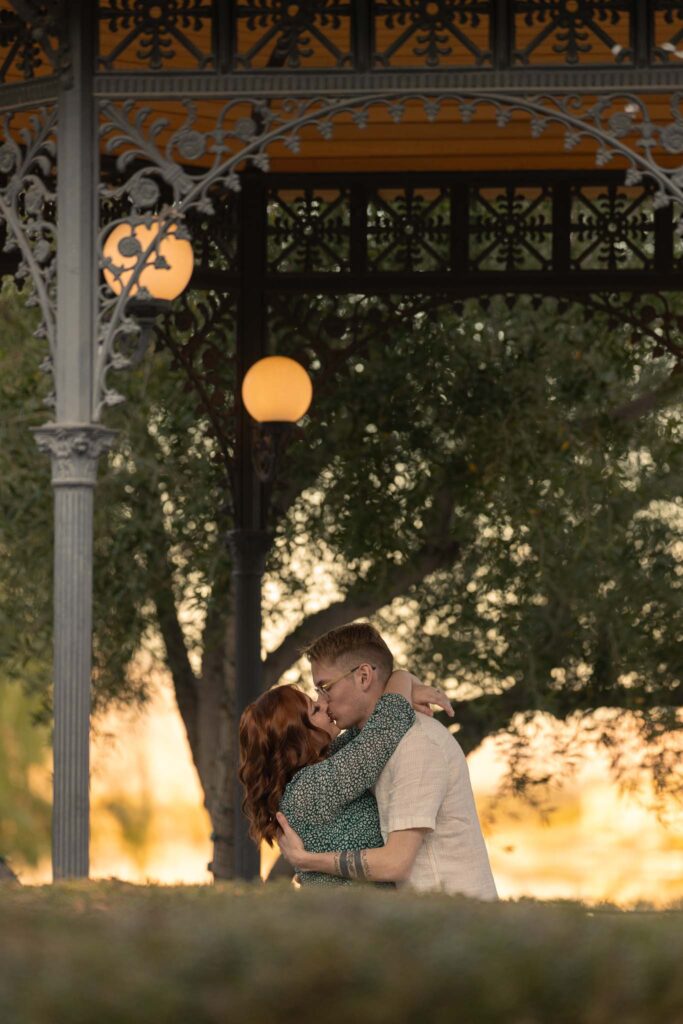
x=511, y=229
x=667, y=34
x=277, y=34
x=412, y=33
x=200, y=334
x=157, y=35
x=677, y=246
x=22, y=56
x=215, y=235
x=369, y=35
x=612, y=228
x=308, y=230
x=409, y=230
x=573, y=32
x=324, y=329
x=461, y=229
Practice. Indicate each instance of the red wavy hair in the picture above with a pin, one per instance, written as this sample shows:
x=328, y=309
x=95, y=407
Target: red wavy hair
x=276, y=740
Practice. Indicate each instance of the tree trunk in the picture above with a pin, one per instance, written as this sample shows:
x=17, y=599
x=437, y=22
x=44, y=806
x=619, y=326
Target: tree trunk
x=216, y=756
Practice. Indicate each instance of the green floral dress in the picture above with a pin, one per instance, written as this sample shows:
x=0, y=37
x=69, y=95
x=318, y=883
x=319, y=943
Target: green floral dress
x=330, y=804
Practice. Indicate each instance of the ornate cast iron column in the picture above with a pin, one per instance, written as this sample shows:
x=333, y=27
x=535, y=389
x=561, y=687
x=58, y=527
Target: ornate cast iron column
x=74, y=451
x=74, y=444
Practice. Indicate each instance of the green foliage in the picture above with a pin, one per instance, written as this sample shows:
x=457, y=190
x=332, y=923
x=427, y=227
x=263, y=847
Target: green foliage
x=24, y=812
x=25, y=503
x=568, y=512
x=115, y=954
x=509, y=433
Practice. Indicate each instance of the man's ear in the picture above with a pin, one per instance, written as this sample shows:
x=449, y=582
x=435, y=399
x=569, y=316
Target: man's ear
x=366, y=676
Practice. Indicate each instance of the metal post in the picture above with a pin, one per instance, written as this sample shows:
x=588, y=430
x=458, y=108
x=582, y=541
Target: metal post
x=249, y=540
x=74, y=444
x=249, y=550
x=75, y=452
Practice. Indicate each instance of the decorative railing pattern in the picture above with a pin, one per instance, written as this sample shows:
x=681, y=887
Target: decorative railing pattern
x=309, y=229
x=377, y=35
x=466, y=228
x=315, y=35
x=205, y=36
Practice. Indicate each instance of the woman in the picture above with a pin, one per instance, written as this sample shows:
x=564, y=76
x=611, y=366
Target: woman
x=292, y=759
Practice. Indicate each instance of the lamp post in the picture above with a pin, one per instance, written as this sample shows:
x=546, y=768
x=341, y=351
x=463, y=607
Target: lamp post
x=276, y=392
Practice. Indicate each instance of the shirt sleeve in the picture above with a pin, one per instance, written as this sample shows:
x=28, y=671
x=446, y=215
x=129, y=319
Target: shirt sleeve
x=419, y=782
x=325, y=789
x=341, y=740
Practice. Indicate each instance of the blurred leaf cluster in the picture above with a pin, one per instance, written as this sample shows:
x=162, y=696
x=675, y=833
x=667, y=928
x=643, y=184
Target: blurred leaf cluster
x=25, y=809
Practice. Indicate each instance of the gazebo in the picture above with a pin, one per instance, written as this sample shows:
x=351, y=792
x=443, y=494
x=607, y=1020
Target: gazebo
x=455, y=148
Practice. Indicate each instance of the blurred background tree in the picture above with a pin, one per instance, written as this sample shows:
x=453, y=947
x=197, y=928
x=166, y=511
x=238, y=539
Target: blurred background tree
x=24, y=807
x=499, y=489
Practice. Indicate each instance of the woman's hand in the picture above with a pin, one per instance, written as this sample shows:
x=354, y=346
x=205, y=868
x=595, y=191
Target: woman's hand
x=291, y=846
x=421, y=696
x=424, y=696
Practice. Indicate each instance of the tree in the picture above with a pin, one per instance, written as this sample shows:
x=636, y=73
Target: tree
x=499, y=490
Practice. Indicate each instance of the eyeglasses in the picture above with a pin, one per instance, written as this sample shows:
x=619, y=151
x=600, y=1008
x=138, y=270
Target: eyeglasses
x=325, y=687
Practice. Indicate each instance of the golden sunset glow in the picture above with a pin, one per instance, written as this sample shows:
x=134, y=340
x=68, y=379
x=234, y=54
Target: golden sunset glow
x=148, y=822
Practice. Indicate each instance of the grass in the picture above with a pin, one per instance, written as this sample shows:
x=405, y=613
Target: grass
x=109, y=953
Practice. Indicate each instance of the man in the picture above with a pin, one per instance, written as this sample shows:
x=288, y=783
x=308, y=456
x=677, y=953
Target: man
x=429, y=822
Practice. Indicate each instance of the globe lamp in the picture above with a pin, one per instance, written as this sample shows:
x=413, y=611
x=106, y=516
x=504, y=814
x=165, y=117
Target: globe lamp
x=277, y=390
x=168, y=266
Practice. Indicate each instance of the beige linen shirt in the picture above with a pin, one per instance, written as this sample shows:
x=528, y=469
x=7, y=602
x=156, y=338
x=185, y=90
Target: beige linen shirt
x=426, y=784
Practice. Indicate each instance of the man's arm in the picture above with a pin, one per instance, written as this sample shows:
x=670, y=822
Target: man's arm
x=390, y=863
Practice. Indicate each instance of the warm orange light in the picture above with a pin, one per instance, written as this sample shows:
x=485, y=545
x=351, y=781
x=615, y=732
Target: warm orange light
x=277, y=390
x=168, y=268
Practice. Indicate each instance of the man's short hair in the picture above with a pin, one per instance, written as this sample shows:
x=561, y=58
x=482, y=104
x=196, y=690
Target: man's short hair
x=359, y=639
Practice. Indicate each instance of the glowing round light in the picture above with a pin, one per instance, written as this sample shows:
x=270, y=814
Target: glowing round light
x=168, y=267
x=277, y=390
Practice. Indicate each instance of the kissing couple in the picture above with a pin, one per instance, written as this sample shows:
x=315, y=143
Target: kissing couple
x=387, y=800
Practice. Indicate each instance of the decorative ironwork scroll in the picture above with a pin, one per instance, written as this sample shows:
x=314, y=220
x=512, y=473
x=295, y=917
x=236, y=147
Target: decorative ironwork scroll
x=651, y=317
x=28, y=149
x=215, y=235
x=200, y=335
x=166, y=168
x=184, y=164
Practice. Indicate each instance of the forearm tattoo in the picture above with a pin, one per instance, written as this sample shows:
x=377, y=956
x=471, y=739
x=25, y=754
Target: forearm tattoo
x=353, y=864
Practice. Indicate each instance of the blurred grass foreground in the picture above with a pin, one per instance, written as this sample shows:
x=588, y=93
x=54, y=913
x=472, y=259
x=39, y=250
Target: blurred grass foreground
x=109, y=952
